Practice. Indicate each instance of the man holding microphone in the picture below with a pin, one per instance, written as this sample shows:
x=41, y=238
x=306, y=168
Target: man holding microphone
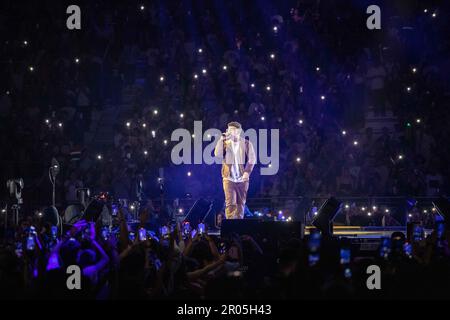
x=238, y=160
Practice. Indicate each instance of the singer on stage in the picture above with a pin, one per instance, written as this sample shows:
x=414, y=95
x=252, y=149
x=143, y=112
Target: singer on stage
x=234, y=151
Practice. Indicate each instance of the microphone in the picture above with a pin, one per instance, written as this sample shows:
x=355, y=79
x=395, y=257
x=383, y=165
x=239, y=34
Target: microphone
x=55, y=167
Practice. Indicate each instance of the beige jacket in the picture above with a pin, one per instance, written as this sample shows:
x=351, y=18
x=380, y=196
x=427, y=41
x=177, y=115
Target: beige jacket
x=246, y=152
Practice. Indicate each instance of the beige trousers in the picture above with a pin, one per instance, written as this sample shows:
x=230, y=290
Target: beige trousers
x=235, y=197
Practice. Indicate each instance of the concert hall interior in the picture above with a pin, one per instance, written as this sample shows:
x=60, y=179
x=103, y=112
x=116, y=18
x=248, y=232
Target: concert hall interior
x=224, y=150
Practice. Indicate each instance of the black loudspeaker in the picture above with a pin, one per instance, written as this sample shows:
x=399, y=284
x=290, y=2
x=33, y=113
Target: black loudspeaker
x=325, y=216
x=93, y=210
x=51, y=216
x=442, y=206
x=200, y=210
x=271, y=231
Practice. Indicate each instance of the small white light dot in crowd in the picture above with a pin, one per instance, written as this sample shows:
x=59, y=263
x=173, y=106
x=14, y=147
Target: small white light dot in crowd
x=434, y=15
x=161, y=78
x=99, y=157
x=181, y=115
x=236, y=111
x=280, y=212
x=195, y=76
x=363, y=208
x=272, y=56
x=208, y=135
x=369, y=213
x=39, y=214
x=60, y=124
x=386, y=210
x=408, y=89
x=270, y=165
x=263, y=118
x=374, y=208
x=165, y=141
x=275, y=28
x=355, y=143
x=410, y=215
x=298, y=159
x=322, y=97
x=252, y=85
x=155, y=111
x=144, y=125
x=344, y=132
x=142, y=8
x=47, y=121
x=132, y=207
x=204, y=71
x=31, y=68
x=425, y=10
x=77, y=60
x=300, y=121
x=193, y=135
x=7, y=92
x=268, y=88
x=315, y=213
x=418, y=120
x=200, y=50
x=25, y=42
x=425, y=211
x=145, y=152
x=128, y=124
x=433, y=209
x=153, y=133
x=317, y=68
x=224, y=67
x=180, y=210
x=400, y=157
x=3, y=210
x=189, y=174
x=414, y=70
x=347, y=206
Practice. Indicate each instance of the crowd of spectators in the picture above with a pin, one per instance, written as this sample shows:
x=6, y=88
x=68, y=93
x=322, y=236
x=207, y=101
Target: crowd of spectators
x=293, y=68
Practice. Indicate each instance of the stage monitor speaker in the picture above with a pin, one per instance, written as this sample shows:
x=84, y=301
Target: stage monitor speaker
x=325, y=216
x=51, y=215
x=93, y=210
x=200, y=210
x=442, y=206
x=271, y=231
